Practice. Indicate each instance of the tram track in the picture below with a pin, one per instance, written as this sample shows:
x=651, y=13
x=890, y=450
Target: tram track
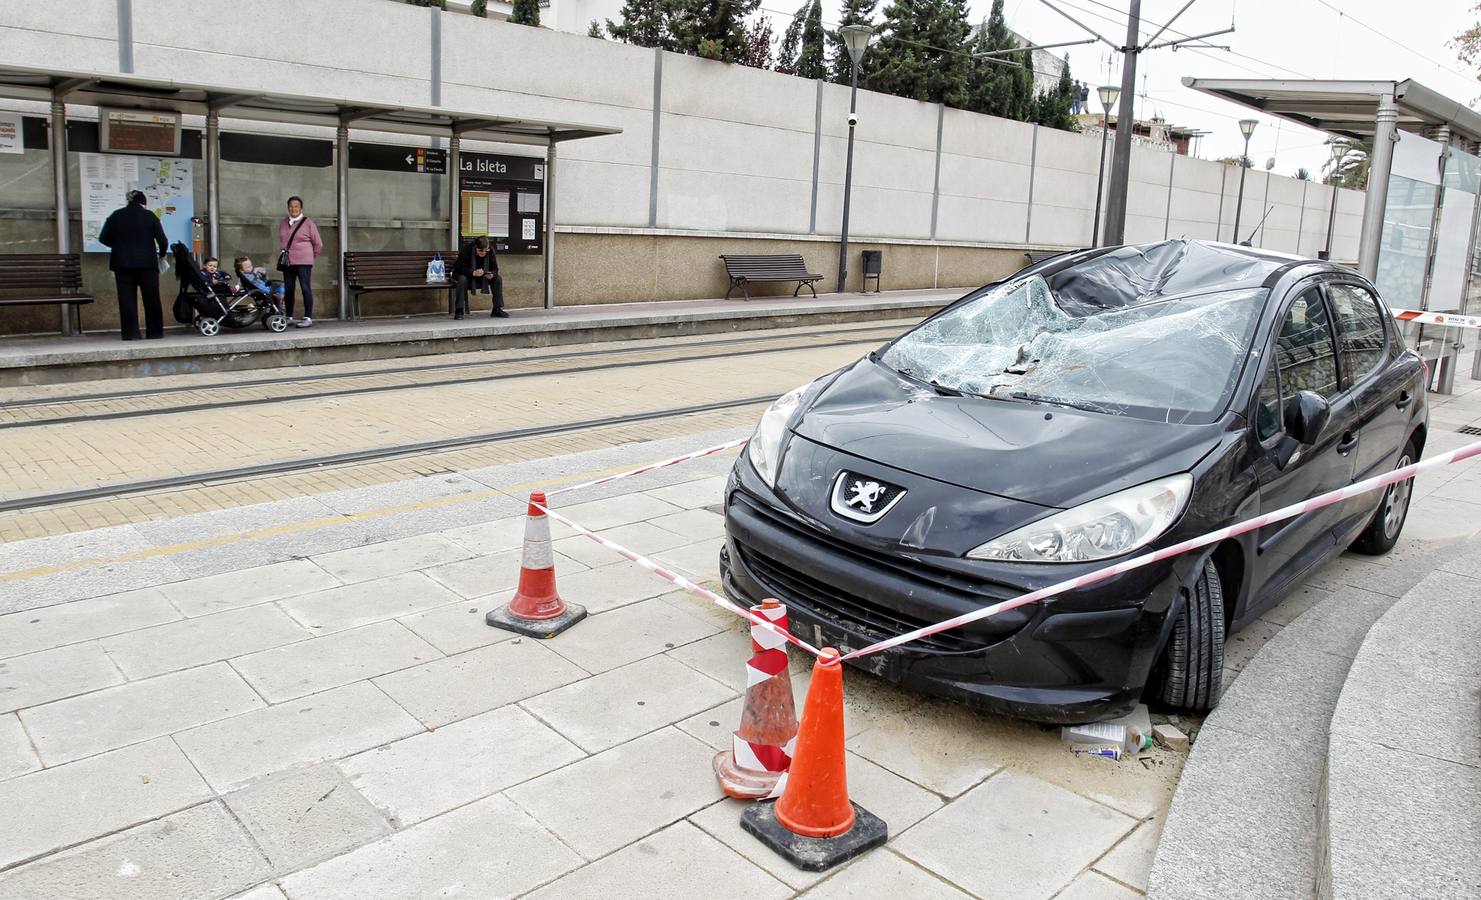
x=779, y=343
x=372, y=454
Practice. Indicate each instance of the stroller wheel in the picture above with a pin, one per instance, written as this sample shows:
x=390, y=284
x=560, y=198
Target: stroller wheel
x=276, y=322
x=208, y=326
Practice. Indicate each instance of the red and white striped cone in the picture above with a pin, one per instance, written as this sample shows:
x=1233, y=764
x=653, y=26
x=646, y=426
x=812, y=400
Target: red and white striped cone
x=537, y=609
x=755, y=766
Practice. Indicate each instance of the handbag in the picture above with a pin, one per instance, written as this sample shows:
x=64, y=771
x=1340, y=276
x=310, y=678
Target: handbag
x=436, y=270
x=283, y=263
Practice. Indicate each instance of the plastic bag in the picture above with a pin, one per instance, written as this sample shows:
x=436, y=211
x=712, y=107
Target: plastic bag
x=436, y=269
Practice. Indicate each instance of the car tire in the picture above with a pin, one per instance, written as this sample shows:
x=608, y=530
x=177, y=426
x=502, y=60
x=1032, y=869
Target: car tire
x=1388, y=519
x=1192, y=666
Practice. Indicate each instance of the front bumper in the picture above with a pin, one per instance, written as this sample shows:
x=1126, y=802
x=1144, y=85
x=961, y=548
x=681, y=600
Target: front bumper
x=1080, y=657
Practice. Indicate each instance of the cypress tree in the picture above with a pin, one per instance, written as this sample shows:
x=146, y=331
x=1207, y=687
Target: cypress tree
x=526, y=12
x=855, y=12
x=1056, y=108
x=642, y=24
x=811, y=62
x=786, y=62
x=922, y=53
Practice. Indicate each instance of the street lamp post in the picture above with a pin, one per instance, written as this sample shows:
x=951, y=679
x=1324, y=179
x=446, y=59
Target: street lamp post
x=1246, y=128
x=1108, y=94
x=1339, y=150
x=856, y=39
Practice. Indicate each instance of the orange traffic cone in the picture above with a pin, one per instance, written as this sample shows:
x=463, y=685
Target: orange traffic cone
x=537, y=609
x=762, y=746
x=814, y=825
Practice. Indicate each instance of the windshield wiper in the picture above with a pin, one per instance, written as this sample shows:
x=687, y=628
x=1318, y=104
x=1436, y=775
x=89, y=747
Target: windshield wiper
x=1052, y=401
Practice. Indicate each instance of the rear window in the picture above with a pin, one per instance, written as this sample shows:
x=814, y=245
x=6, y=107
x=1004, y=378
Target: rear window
x=1174, y=359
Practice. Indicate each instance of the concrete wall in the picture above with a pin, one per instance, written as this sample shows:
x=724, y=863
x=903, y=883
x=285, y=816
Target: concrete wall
x=729, y=167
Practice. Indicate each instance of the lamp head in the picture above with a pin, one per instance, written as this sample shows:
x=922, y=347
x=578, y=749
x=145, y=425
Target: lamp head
x=1109, y=94
x=856, y=39
x=1247, y=127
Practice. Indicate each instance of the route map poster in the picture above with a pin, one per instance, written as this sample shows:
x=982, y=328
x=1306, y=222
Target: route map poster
x=169, y=183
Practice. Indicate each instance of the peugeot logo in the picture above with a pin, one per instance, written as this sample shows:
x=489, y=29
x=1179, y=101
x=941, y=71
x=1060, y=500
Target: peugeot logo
x=862, y=498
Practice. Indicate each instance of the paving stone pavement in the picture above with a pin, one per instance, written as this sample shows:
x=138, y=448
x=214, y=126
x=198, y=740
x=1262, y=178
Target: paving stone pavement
x=341, y=723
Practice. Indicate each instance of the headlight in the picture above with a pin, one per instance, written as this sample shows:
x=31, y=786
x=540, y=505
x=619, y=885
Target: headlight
x=765, y=448
x=1100, y=529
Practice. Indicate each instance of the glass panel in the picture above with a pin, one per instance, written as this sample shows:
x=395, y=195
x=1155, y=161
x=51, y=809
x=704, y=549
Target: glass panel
x=1359, y=331
x=1406, y=241
x=1305, y=349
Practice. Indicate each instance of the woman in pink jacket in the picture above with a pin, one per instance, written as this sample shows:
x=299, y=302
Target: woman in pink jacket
x=299, y=237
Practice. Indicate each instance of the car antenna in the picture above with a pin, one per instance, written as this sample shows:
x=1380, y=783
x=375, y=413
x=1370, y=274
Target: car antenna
x=1246, y=241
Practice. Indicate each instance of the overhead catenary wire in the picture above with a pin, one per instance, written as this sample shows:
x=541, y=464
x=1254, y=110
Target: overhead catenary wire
x=1397, y=43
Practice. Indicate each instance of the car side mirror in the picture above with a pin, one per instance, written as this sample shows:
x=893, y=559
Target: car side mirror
x=1306, y=414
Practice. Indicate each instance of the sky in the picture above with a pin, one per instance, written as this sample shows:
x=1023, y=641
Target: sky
x=1344, y=39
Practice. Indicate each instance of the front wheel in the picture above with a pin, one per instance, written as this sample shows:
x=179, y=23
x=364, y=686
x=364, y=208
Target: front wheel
x=208, y=326
x=277, y=322
x=1192, y=668
x=1388, y=520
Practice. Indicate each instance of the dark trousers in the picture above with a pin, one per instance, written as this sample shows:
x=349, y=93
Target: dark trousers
x=292, y=278
x=462, y=283
x=132, y=283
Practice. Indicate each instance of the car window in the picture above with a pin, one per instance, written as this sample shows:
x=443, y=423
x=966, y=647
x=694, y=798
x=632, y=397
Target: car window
x=1305, y=350
x=1172, y=359
x=1267, y=407
x=1359, y=330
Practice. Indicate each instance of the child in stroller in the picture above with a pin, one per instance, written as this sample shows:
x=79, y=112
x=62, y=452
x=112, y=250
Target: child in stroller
x=208, y=307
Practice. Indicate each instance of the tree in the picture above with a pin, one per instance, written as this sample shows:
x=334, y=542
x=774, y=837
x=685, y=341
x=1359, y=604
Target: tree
x=1056, y=108
x=439, y=4
x=595, y=30
x=922, y=52
x=991, y=83
x=757, y=52
x=714, y=29
x=1243, y=162
x=1303, y=174
x=642, y=24
x=786, y=62
x=479, y=8
x=1467, y=44
x=526, y=12
x=855, y=12
x=811, y=59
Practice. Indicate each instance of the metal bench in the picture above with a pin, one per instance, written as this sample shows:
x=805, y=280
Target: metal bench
x=369, y=271
x=742, y=270
x=43, y=279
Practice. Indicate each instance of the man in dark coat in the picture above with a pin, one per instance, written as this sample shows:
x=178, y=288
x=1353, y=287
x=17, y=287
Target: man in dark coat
x=131, y=233
x=477, y=269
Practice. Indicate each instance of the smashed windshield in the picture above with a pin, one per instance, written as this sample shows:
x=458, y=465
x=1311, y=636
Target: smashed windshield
x=1175, y=358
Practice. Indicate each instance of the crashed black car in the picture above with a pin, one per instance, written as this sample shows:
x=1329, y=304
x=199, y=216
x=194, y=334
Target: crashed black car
x=1095, y=406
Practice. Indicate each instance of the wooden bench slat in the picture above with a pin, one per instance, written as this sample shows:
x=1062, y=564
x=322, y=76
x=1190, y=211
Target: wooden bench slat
x=42, y=279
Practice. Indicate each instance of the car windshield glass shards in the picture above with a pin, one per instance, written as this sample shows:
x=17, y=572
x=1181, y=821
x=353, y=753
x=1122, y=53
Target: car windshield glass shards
x=1171, y=358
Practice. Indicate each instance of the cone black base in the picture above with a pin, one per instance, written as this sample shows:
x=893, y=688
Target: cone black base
x=815, y=854
x=544, y=629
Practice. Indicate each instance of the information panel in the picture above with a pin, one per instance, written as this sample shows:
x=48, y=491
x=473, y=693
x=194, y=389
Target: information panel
x=502, y=197
x=107, y=179
x=140, y=131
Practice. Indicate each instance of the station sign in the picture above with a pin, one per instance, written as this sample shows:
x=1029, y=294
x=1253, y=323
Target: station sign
x=502, y=198
x=391, y=158
x=142, y=131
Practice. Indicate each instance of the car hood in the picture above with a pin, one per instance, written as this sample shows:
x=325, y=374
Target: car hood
x=1036, y=453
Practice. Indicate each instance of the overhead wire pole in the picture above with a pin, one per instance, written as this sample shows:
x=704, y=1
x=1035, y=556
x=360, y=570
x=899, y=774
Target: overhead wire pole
x=1115, y=223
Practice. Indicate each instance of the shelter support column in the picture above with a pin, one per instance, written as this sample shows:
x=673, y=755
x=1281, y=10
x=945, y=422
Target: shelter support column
x=550, y=226
x=213, y=183
x=1376, y=199
x=454, y=209
x=342, y=213
x=59, y=179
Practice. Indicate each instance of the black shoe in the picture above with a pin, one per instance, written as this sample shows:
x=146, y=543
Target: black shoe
x=498, y=314
x=458, y=314
x=133, y=337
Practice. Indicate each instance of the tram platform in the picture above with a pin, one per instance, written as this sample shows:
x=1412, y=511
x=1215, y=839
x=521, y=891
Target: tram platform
x=51, y=359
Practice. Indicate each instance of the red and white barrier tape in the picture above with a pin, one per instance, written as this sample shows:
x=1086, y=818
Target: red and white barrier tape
x=677, y=579
x=1102, y=574
x=1433, y=318
x=768, y=662
x=708, y=451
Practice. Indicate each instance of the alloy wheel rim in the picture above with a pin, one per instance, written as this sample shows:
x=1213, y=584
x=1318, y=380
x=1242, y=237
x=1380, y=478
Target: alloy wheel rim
x=1396, y=502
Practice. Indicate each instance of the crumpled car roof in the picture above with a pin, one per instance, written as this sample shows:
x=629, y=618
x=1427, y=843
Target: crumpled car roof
x=1133, y=275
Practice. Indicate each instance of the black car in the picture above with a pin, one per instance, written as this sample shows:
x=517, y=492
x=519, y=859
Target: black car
x=1093, y=407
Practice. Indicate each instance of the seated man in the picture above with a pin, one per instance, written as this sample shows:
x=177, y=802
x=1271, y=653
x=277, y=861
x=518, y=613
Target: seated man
x=477, y=270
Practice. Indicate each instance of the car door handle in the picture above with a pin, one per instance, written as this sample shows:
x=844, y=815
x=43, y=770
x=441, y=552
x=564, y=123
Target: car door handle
x=1349, y=441
x=1404, y=400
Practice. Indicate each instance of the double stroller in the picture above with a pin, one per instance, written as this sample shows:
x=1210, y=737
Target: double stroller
x=210, y=308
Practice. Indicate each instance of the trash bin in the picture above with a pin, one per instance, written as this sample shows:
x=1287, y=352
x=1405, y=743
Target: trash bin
x=873, y=263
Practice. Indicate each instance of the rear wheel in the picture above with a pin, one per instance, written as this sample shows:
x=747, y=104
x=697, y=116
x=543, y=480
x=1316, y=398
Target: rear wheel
x=1388, y=521
x=1192, y=667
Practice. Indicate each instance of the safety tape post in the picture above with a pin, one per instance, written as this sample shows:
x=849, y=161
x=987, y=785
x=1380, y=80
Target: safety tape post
x=1214, y=537
x=677, y=579
x=708, y=451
